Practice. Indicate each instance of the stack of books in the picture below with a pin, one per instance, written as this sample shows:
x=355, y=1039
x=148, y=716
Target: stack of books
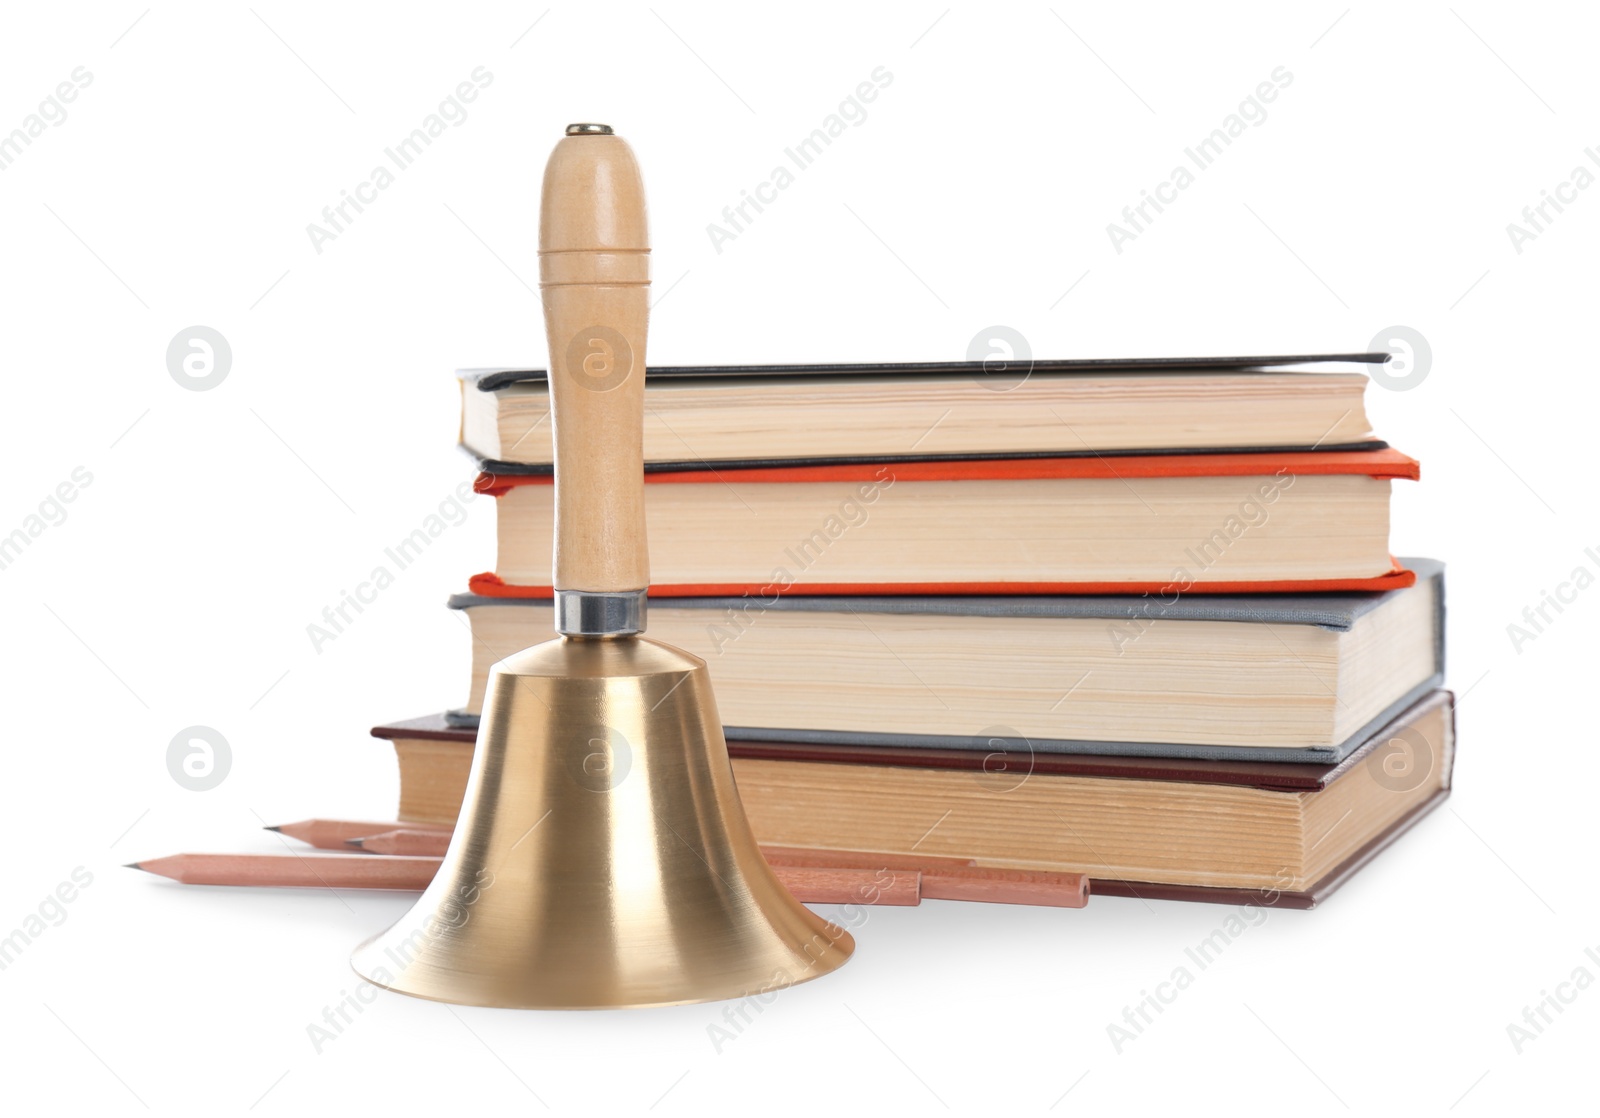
x=1135, y=619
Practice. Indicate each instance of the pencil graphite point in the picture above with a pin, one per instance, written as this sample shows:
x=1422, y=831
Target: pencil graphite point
x=133, y=866
x=275, y=827
x=358, y=843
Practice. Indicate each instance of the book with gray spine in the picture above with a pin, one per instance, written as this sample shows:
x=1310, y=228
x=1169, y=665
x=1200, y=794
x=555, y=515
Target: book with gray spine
x=1378, y=696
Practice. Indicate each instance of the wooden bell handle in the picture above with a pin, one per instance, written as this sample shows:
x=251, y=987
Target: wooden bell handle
x=594, y=277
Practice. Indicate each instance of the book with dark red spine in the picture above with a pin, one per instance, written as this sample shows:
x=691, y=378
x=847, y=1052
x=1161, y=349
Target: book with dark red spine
x=1226, y=832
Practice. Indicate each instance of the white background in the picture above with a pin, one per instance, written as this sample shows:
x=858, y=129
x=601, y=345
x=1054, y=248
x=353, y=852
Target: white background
x=219, y=524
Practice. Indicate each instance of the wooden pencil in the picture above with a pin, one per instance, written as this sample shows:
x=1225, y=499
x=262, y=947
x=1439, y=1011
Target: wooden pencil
x=304, y=871
x=809, y=884
x=993, y=885
x=842, y=885
x=330, y=834
x=952, y=879
x=403, y=840
x=943, y=878
x=858, y=859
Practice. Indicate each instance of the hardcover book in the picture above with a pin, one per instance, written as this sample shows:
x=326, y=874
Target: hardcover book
x=697, y=416
x=1167, y=524
x=1303, y=678
x=1230, y=832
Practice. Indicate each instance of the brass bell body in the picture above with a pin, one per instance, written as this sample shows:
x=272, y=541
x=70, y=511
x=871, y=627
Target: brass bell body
x=603, y=858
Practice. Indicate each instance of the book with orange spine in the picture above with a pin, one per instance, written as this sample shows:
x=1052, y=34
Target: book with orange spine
x=1169, y=524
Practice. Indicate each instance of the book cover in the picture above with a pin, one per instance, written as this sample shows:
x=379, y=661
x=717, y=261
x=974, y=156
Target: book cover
x=1196, y=559
x=1409, y=758
x=488, y=380
x=1116, y=650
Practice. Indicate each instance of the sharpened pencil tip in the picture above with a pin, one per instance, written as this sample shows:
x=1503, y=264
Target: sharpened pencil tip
x=358, y=843
x=277, y=828
x=133, y=866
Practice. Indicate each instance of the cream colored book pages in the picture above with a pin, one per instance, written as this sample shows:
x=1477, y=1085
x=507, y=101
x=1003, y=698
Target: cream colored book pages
x=1179, y=833
x=1207, y=529
x=804, y=417
x=1235, y=683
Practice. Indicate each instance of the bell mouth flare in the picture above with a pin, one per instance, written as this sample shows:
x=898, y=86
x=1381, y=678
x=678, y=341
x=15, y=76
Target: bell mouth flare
x=602, y=858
